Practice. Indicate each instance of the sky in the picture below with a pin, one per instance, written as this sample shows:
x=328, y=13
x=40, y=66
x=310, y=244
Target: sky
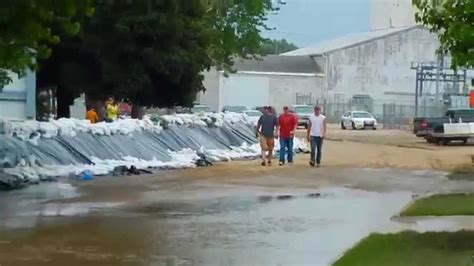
x=306, y=22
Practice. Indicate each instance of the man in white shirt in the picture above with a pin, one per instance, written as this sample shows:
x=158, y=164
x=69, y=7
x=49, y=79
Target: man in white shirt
x=317, y=130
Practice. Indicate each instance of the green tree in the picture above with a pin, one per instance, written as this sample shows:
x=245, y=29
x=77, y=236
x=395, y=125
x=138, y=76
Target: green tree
x=277, y=46
x=453, y=21
x=72, y=69
x=237, y=26
x=27, y=34
x=153, y=52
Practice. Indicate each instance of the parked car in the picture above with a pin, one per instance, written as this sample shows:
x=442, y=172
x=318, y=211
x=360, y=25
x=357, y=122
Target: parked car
x=234, y=109
x=422, y=126
x=358, y=120
x=302, y=112
x=201, y=108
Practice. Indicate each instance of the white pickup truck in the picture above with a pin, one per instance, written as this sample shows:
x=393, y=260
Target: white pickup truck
x=451, y=132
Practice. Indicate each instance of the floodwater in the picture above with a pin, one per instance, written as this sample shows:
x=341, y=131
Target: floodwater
x=43, y=225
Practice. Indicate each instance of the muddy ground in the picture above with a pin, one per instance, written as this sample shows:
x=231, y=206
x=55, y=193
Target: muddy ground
x=236, y=213
x=392, y=148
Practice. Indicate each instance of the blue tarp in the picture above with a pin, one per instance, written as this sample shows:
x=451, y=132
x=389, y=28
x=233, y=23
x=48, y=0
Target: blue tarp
x=146, y=145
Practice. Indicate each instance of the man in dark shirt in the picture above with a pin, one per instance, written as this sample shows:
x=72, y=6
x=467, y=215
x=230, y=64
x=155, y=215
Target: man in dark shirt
x=266, y=128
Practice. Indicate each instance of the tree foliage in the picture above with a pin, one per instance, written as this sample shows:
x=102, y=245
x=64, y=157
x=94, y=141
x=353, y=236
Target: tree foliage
x=277, y=46
x=26, y=31
x=237, y=26
x=72, y=69
x=154, y=51
x=453, y=21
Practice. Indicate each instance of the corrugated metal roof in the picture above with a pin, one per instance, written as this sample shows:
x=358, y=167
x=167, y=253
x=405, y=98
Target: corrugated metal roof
x=345, y=41
x=279, y=64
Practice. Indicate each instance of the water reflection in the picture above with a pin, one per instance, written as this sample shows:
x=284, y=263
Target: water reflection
x=264, y=229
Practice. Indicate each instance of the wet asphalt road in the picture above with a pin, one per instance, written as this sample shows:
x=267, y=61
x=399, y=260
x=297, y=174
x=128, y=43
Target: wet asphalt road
x=205, y=224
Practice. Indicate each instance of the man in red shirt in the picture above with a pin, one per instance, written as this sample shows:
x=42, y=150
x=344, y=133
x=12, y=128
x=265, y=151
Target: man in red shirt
x=287, y=127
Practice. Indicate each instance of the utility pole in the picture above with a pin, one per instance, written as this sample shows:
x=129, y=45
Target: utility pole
x=436, y=72
x=418, y=81
x=439, y=63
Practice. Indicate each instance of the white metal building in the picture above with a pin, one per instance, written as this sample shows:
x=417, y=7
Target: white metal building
x=273, y=80
x=375, y=63
x=18, y=99
x=386, y=14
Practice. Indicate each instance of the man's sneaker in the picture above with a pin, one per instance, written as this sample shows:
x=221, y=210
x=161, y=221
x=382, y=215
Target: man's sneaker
x=280, y=163
x=311, y=163
x=263, y=163
x=269, y=163
x=290, y=163
x=318, y=165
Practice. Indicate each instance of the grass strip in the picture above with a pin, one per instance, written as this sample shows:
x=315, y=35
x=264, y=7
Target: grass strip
x=442, y=205
x=410, y=248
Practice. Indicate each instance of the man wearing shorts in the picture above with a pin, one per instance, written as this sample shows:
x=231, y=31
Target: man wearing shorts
x=267, y=131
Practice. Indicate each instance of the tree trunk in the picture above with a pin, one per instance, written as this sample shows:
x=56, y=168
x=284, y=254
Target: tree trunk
x=63, y=101
x=137, y=111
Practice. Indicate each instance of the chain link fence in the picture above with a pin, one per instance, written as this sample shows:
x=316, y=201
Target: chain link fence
x=335, y=110
x=306, y=99
x=401, y=116
x=389, y=115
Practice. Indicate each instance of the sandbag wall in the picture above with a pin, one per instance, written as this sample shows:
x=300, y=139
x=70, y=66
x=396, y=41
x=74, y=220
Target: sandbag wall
x=145, y=145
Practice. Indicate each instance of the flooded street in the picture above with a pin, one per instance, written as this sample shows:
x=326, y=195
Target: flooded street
x=236, y=133
x=178, y=218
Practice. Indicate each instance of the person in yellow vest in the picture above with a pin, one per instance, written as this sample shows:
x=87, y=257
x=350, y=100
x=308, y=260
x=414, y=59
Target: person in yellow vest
x=112, y=109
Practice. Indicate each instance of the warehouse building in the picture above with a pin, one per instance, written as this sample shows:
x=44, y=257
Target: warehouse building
x=18, y=98
x=362, y=70
x=372, y=66
x=276, y=80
